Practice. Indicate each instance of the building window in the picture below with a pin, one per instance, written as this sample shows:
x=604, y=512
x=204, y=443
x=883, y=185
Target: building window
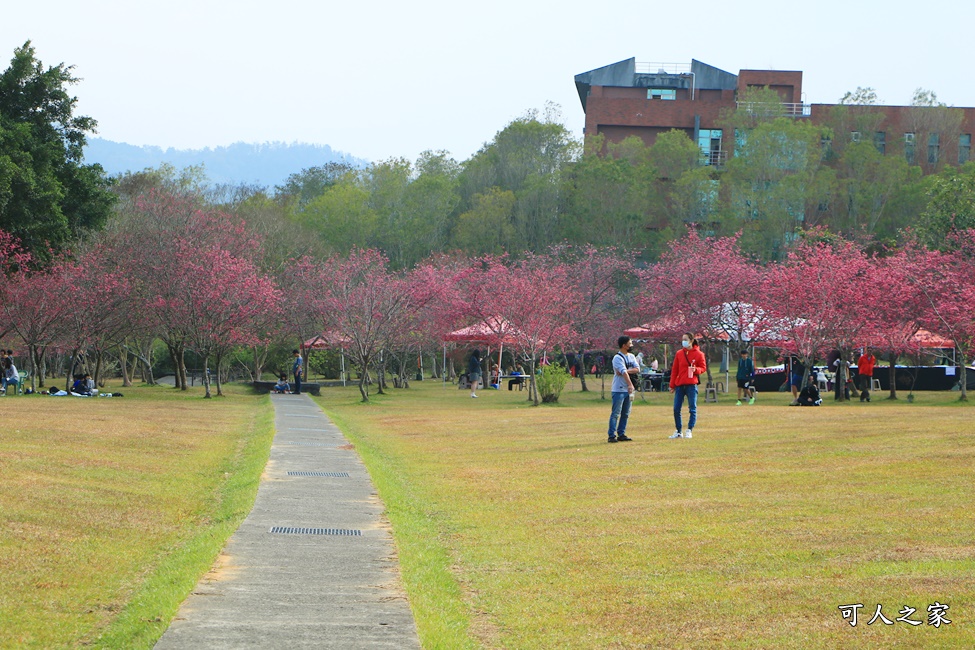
x=709, y=140
x=909, y=148
x=880, y=141
x=933, y=142
x=854, y=136
x=964, y=148
x=661, y=93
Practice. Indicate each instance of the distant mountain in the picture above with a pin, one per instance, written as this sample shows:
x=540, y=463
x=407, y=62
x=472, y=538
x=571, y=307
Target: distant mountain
x=267, y=164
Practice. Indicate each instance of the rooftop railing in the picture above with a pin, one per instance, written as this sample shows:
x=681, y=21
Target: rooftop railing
x=663, y=68
x=786, y=110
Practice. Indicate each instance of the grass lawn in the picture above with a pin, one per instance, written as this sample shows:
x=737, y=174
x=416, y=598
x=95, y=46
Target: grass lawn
x=519, y=527
x=112, y=508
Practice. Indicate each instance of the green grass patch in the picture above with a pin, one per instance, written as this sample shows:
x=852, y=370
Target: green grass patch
x=114, y=508
x=520, y=527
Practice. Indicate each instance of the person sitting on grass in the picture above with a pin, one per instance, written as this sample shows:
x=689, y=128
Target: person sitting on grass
x=809, y=395
x=282, y=387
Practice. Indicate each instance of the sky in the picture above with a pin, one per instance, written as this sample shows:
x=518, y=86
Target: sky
x=380, y=80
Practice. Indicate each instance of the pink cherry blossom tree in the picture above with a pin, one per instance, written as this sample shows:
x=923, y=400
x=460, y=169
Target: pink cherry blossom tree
x=704, y=286
x=820, y=298
x=367, y=304
x=602, y=279
x=945, y=281
x=223, y=300
x=530, y=304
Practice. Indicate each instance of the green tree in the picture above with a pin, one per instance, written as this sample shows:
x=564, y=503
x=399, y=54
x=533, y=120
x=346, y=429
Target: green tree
x=487, y=227
x=774, y=179
x=951, y=206
x=304, y=187
x=867, y=181
x=343, y=215
x=48, y=196
x=527, y=158
x=430, y=202
x=607, y=201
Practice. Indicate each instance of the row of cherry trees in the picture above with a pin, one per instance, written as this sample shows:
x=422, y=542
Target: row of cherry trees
x=192, y=278
x=827, y=295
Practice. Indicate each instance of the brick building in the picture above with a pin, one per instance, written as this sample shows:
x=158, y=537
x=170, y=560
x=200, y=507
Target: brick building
x=644, y=99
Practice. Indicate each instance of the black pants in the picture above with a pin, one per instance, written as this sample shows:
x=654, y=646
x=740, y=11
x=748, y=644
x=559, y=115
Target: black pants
x=865, y=381
x=297, y=383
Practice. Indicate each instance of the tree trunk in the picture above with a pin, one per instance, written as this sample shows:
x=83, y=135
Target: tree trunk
x=532, y=387
x=67, y=375
x=219, y=363
x=34, y=367
x=182, y=368
x=892, y=376
x=98, y=368
x=41, y=365
x=175, y=360
x=146, y=360
x=962, y=352
x=362, y=387
x=260, y=356
x=206, y=377
x=581, y=365
x=123, y=357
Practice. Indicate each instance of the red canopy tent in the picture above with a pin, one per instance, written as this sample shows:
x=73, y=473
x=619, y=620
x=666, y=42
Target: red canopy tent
x=493, y=331
x=926, y=339
x=329, y=341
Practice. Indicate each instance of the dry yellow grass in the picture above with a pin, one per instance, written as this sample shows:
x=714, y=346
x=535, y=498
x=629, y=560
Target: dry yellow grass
x=750, y=535
x=96, y=493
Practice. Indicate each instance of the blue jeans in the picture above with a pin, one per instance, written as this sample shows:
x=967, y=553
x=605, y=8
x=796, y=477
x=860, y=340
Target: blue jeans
x=690, y=390
x=620, y=415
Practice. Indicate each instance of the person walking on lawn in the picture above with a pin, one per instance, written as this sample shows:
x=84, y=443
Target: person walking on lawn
x=474, y=371
x=689, y=363
x=745, y=377
x=622, y=390
x=865, y=372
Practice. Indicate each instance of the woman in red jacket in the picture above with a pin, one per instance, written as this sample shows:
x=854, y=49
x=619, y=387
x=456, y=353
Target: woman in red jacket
x=689, y=362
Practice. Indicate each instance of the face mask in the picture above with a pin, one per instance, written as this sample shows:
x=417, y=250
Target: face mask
x=686, y=344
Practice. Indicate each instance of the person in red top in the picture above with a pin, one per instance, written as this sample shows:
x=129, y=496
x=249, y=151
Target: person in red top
x=865, y=365
x=689, y=363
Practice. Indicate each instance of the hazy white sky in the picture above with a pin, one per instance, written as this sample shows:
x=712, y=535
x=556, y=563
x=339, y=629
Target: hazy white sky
x=380, y=79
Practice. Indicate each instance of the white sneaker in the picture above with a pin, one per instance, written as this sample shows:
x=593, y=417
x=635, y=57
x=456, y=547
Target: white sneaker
x=676, y=434
x=689, y=434
x=473, y=395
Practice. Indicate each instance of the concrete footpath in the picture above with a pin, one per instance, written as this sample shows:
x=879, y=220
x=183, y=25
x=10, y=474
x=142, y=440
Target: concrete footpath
x=313, y=565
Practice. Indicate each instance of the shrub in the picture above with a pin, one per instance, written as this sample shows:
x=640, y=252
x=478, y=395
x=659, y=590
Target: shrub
x=551, y=382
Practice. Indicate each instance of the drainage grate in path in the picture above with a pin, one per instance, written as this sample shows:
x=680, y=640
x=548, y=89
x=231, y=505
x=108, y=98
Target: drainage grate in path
x=309, y=444
x=289, y=530
x=327, y=474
